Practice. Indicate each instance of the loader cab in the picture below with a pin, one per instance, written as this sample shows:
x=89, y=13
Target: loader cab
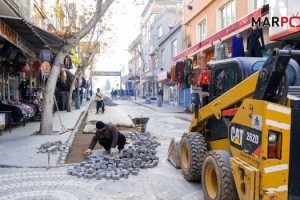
x=226, y=74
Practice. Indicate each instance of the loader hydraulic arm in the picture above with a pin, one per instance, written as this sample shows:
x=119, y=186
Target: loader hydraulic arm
x=270, y=84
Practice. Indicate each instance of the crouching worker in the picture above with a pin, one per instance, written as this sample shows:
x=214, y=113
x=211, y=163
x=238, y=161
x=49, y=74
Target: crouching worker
x=108, y=137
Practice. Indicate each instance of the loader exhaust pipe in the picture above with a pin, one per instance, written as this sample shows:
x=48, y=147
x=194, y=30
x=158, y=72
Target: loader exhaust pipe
x=285, y=52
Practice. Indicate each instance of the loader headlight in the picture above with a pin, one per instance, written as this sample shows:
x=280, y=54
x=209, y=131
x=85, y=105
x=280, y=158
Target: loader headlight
x=272, y=138
x=274, y=144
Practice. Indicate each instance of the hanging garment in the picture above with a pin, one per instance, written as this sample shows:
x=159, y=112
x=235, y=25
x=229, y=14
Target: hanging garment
x=68, y=62
x=36, y=66
x=253, y=45
x=180, y=72
x=45, y=69
x=205, y=77
x=173, y=73
x=188, y=65
x=195, y=61
x=191, y=79
x=197, y=78
x=23, y=89
x=25, y=68
x=237, y=47
x=221, y=51
x=201, y=60
x=45, y=55
x=186, y=81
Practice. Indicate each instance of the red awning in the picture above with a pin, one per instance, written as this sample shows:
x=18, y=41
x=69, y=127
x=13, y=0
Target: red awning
x=289, y=34
x=245, y=21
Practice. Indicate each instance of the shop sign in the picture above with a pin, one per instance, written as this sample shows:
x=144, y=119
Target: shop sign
x=7, y=33
x=162, y=75
x=101, y=73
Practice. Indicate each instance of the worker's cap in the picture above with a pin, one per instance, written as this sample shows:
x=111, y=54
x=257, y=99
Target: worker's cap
x=100, y=125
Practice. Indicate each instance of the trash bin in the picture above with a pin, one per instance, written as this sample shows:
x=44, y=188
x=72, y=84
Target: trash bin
x=159, y=100
x=148, y=98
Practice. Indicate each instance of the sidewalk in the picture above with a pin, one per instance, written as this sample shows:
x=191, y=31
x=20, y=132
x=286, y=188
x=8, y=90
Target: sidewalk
x=19, y=148
x=166, y=108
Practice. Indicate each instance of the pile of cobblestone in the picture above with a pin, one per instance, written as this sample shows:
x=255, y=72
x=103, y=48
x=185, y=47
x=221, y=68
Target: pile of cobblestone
x=57, y=146
x=141, y=154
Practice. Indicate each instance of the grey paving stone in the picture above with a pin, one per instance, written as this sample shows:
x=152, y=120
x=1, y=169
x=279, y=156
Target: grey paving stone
x=134, y=172
x=108, y=176
x=115, y=177
x=98, y=177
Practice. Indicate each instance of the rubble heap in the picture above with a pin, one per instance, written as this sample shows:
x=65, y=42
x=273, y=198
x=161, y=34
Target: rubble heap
x=108, y=101
x=59, y=146
x=140, y=155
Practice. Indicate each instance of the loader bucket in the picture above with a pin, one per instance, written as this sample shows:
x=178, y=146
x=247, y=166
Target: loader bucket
x=174, y=153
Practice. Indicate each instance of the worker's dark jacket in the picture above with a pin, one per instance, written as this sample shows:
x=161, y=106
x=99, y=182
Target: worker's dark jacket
x=110, y=133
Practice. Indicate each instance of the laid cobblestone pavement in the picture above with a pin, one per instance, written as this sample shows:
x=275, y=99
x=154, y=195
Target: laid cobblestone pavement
x=161, y=182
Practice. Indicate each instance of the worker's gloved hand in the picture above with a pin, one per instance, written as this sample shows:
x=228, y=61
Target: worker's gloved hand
x=88, y=151
x=113, y=151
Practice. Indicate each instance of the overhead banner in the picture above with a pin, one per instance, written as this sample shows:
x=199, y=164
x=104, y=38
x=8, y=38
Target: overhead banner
x=102, y=73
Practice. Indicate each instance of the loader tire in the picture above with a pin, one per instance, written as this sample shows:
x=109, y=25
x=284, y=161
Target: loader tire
x=193, y=149
x=217, y=179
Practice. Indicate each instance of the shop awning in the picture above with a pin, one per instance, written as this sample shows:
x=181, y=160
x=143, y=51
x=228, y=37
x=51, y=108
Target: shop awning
x=289, y=34
x=37, y=37
x=52, y=40
x=244, y=22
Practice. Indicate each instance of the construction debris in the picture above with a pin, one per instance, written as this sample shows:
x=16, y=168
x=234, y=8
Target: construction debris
x=141, y=154
x=57, y=146
x=108, y=102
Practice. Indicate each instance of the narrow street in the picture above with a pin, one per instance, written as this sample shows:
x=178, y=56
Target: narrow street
x=161, y=182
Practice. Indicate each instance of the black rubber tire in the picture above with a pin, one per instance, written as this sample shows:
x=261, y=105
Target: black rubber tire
x=217, y=179
x=193, y=149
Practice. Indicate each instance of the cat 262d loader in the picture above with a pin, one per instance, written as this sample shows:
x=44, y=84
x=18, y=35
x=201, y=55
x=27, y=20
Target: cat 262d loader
x=245, y=142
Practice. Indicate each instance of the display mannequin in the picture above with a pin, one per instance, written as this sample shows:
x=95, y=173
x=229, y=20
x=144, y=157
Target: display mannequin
x=237, y=46
x=253, y=45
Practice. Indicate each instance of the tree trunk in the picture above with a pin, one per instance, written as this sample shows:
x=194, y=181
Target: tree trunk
x=69, y=104
x=48, y=96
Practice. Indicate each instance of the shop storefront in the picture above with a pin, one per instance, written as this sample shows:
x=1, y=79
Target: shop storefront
x=21, y=78
x=168, y=87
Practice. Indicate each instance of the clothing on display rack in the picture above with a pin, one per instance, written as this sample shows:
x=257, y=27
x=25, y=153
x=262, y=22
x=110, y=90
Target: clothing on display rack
x=45, y=69
x=237, y=46
x=46, y=55
x=36, y=66
x=188, y=65
x=180, y=73
x=221, y=51
x=23, y=89
x=201, y=60
x=253, y=45
x=173, y=73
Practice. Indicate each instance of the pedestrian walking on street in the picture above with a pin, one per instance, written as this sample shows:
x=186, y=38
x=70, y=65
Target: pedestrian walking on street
x=108, y=137
x=99, y=101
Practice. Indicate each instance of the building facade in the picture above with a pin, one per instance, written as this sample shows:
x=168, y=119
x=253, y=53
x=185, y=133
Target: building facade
x=169, y=46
